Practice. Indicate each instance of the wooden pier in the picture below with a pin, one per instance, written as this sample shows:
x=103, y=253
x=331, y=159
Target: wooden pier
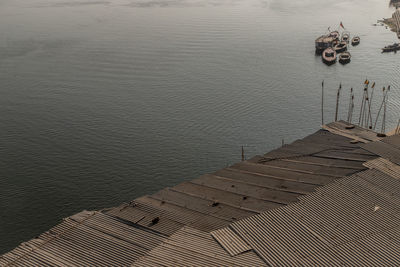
x=244, y=214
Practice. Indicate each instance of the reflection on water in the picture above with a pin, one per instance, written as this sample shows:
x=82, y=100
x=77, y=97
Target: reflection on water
x=104, y=101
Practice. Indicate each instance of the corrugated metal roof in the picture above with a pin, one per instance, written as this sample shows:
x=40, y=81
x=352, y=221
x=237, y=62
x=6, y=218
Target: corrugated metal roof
x=384, y=166
x=384, y=150
x=392, y=140
x=172, y=226
x=85, y=239
x=351, y=221
x=191, y=247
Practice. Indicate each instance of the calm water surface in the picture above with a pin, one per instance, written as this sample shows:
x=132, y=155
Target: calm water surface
x=105, y=101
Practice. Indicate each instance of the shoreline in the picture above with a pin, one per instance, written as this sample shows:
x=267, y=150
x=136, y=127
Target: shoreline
x=389, y=22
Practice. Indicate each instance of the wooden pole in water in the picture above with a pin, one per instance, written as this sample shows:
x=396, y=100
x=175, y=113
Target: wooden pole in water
x=352, y=107
x=322, y=103
x=349, y=110
x=383, y=129
x=380, y=108
x=369, y=107
x=397, y=127
x=365, y=117
x=242, y=153
x=383, y=118
x=364, y=114
x=361, y=109
x=337, y=101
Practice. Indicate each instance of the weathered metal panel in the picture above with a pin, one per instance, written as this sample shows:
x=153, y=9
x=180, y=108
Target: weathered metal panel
x=311, y=168
x=127, y=212
x=326, y=162
x=236, y=177
x=221, y=210
x=384, y=150
x=195, y=219
x=326, y=137
x=354, y=132
x=278, y=239
x=345, y=155
x=86, y=239
x=393, y=140
x=385, y=166
x=284, y=174
x=191, y=247
x=349, y=221
x=270, y=197
x=230, y=241
x=257, y=201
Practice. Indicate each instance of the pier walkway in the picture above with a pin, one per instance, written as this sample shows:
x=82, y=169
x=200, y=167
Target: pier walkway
x=326, y=198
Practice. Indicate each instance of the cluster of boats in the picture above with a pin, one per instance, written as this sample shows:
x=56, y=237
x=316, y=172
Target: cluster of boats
x=332, y=45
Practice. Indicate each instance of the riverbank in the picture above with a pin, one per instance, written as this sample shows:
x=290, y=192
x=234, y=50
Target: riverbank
x=389, y=22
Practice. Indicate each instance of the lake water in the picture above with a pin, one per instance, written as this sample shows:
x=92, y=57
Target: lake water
x=104, y=101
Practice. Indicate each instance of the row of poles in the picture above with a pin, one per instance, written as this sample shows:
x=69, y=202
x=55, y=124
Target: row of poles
x=365, y=119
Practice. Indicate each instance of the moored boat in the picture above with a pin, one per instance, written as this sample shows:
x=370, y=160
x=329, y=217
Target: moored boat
x=345, y=37
x=329, y=56
x=391, y=48
x=345, y=57
x=355, y=41
x=340, y=47
x=323, y=42
x=334, y=34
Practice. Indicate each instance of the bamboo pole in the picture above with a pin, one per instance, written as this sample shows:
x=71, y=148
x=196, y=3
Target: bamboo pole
x=361, y=109
x=352, y=108
x=350, y=105
x=397, y=128
x=383, y=128
x=322, y=103
x=370, y=104
x=337, y=101
x=380, y=108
